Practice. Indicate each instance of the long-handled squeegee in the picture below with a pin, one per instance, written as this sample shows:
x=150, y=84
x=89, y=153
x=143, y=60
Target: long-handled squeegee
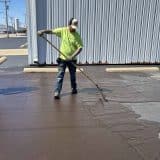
x=97, y=86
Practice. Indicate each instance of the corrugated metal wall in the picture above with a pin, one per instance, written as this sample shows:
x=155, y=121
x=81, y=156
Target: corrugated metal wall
x=113, y=31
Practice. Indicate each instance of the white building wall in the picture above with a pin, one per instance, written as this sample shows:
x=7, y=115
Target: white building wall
x=113, y=31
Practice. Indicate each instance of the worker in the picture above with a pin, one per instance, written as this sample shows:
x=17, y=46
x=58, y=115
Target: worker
x=71, y=46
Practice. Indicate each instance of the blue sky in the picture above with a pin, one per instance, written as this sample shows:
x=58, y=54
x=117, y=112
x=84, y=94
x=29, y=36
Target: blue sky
x=16, y=9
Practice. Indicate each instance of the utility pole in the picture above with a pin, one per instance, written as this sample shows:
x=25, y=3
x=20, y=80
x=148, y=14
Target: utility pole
x=6, y=9
x=6, y=14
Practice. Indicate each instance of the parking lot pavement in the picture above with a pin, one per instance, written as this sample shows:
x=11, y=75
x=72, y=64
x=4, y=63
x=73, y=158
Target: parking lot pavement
x=15, y=62
x=12, y=42
x=35, y=126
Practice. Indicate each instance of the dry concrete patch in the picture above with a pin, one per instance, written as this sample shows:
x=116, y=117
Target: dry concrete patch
x=148, y=111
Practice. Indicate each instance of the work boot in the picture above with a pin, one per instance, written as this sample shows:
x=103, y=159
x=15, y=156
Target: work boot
x=56, y=95
x=40, y=64
x=74, y=91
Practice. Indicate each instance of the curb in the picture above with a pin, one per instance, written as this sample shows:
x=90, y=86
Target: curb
x=133, y=69
x=44, y=70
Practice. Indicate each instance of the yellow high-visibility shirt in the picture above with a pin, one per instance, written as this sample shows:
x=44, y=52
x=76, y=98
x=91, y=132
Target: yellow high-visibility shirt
x=70, y=41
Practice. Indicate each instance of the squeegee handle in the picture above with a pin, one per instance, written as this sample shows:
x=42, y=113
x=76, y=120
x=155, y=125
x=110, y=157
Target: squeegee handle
x=72, y=63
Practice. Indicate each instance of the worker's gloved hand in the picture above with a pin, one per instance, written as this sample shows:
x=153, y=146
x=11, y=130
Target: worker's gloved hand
x=41, y=32
x=58, y=60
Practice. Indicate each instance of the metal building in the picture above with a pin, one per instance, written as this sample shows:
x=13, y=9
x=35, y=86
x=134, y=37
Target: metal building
x=113, y=31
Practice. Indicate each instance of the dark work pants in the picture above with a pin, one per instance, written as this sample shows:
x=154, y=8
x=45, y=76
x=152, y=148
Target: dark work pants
x=61, y=72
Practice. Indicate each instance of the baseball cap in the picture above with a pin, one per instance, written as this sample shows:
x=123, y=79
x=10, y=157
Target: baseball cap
x=74, y=24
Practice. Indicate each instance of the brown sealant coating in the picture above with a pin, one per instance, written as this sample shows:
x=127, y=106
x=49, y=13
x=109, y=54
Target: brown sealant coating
x=35, y=126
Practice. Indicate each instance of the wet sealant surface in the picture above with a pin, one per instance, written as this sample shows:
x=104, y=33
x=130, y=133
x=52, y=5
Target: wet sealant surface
x=35, y=126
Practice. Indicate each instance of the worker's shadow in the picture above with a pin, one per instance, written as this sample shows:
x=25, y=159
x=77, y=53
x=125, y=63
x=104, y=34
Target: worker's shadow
x=17, y=90
x=88, y=91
